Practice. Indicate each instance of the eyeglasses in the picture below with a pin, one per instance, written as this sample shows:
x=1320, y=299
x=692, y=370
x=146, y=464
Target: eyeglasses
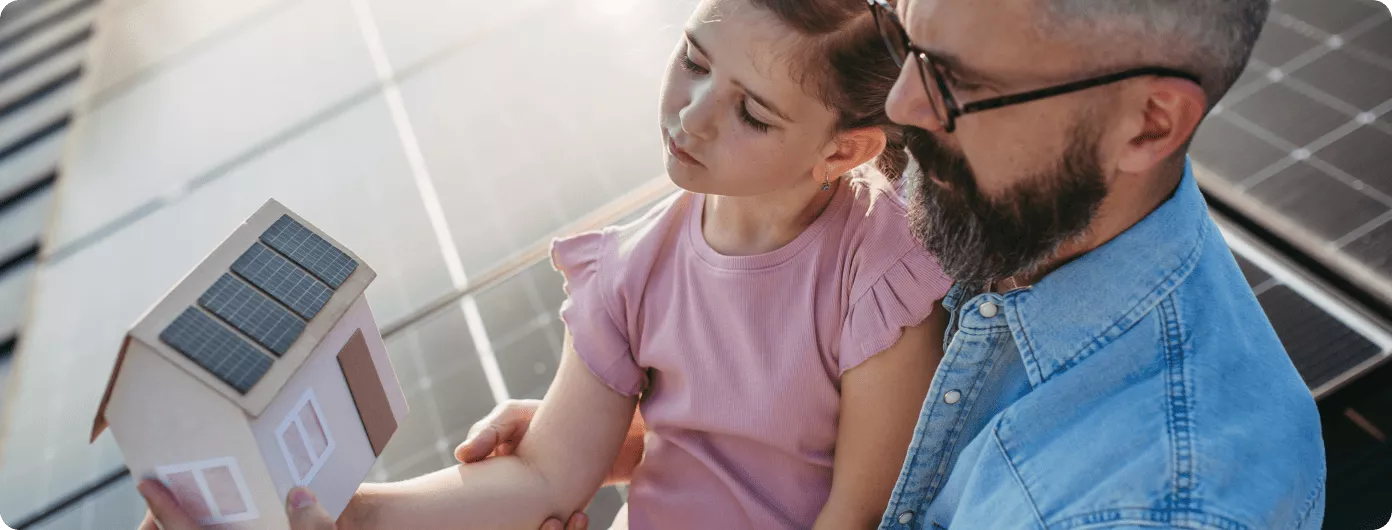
x=945, y=105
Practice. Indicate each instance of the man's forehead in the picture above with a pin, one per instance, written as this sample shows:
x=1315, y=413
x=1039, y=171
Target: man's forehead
x=933, y=16
x=987, y=33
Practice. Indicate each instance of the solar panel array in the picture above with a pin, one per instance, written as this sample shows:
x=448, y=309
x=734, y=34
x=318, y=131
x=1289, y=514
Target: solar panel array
x=266, y=299
x=281, y=279
x=310, y=251
x=267, y=322
x=216, y=349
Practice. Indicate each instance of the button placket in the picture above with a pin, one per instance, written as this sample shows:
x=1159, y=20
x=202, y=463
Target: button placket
x=967, y=356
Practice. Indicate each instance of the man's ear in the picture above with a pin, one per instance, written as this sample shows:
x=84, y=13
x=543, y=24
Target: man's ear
x=852, y=148
x=1165, y=120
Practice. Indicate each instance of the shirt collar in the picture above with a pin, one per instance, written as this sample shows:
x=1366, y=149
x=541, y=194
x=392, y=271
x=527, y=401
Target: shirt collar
x=1081, y=306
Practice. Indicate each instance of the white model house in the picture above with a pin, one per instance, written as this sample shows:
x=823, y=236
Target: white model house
x=263, y=369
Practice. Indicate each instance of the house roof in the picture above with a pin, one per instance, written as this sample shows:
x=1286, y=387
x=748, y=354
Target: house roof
x=244, y=319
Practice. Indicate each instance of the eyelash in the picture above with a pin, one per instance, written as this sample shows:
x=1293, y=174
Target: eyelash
x=956, y=82
x=692, y=67
x=748, y=119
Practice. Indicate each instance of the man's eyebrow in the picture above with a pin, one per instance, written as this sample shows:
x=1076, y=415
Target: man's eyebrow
x=959, y=68
x=945, y=58
x=762, y=101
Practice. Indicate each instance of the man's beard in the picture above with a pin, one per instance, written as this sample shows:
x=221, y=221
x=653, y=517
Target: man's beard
x=980, y=239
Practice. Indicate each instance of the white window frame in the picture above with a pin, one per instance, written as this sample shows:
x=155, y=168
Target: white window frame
x=292, y=420
x=197, y=469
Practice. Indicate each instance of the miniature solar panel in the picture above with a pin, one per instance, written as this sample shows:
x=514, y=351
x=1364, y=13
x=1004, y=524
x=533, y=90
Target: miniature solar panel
x=310, y=251
x=248, y=310
x=275, y=275
x=215, y=348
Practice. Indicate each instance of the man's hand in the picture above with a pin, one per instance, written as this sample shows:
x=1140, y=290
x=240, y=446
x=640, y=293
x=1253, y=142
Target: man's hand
x=301, y=505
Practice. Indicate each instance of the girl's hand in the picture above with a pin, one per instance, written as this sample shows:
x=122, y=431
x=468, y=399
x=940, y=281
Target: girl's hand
x=301, y=505
x=498, y=435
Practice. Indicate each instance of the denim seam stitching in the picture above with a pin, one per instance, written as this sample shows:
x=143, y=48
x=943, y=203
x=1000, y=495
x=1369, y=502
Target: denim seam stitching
x=1310, y=501
x=1193, y=519
x=1015, y=473
x=1137, y=311
x=1178, y=411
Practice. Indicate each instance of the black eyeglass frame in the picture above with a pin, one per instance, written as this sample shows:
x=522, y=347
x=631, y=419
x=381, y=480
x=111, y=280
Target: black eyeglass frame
x=884, y=14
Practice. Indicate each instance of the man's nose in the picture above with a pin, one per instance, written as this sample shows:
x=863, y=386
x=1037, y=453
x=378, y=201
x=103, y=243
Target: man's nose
x=909, y=102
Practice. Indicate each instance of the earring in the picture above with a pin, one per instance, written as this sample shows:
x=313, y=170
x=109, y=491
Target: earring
x=826, y=179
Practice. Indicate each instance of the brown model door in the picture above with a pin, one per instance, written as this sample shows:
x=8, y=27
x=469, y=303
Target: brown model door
x=368, y=393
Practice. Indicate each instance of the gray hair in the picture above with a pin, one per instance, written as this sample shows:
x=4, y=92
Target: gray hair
x=1212, y=39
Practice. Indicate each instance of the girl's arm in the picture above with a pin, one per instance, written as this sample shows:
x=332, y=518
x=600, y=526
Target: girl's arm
x=556, y=470
x=880, y=403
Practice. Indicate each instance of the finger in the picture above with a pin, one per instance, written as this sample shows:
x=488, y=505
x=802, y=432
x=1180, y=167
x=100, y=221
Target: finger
x=305, y=512
x=510, y=411
x=552, y=524
x=163, y=506
x=579, y=521
x=479, y=446
x=149, y=522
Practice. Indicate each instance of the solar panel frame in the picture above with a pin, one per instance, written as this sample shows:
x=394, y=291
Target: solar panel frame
x=217, y=349
x=285, y=282
x=304, y=247
x=248, y=310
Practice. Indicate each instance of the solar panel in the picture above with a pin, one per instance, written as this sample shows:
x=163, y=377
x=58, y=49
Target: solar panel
x=1299, y=145
x=310, y=251
x=285, y=282
x=216, y=349
x=251, y=312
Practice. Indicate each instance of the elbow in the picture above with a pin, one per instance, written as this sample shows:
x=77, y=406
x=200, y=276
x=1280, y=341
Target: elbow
x=564, y=492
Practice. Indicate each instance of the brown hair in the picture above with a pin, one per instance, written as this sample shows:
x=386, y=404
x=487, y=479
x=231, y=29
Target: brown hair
x=848, y=67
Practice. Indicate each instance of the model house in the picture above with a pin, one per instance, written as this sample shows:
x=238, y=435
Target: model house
x=263, y=369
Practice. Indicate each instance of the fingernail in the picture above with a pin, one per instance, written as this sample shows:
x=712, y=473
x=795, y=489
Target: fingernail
x=302, y=498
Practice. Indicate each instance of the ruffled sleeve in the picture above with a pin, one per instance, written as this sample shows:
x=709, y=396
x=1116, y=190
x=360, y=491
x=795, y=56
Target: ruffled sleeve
x=901, y=297
x=600, y=337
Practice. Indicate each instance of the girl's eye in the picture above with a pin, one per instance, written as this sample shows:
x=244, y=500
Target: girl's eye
x=750, y=120
x=691, y=66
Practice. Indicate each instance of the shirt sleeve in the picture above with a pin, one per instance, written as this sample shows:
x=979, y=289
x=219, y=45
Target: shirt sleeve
x=600, y=339
x=903, y=296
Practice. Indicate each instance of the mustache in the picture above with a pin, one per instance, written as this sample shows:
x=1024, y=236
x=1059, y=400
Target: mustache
x=979, y=237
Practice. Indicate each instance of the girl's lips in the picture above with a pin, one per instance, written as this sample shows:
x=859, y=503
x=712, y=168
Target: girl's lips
x=682, y=156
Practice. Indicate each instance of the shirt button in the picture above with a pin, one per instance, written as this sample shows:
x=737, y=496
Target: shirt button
x=988, y=310
x=952, y=397
x=906, y=518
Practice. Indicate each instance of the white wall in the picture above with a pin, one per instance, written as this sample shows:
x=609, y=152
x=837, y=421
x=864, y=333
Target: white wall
x=352, y=456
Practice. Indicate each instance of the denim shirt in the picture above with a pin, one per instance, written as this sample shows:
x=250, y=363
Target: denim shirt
x=1138, y=386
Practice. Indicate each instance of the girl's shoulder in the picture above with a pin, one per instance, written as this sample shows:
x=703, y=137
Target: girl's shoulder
x=619, y=251
x=877, y=233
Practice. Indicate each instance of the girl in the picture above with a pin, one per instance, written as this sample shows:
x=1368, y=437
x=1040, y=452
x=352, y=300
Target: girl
x=776, y=318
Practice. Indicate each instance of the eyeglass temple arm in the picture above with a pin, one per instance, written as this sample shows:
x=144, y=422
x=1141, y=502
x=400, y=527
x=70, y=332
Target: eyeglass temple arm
x=1025, y=97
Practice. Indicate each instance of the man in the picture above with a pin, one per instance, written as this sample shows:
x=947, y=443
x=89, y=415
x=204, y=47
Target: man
x=1106, y=365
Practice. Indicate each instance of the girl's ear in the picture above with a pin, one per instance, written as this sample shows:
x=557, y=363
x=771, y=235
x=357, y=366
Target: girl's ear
x=850, y=149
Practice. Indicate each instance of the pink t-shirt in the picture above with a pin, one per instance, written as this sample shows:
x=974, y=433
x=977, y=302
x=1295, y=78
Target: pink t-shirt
x=739, y=359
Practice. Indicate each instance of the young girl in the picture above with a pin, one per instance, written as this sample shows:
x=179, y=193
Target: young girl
x=776, y=318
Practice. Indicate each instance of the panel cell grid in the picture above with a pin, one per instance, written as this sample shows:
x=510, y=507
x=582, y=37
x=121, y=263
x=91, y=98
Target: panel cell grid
x=252, y=313
x=310, y=251
x=275, y=275
x=215, y=348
